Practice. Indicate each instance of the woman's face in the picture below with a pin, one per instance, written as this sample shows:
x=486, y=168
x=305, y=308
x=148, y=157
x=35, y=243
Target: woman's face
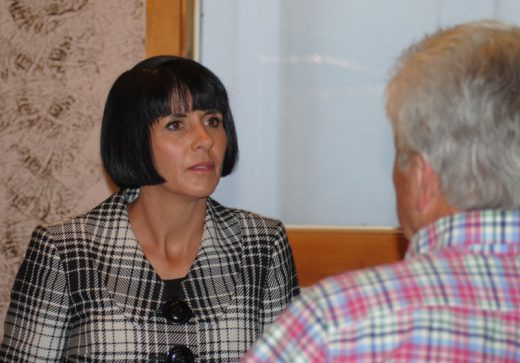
x=188, y=151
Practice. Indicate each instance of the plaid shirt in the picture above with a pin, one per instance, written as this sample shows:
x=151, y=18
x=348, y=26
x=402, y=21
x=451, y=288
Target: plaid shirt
x=455, y=298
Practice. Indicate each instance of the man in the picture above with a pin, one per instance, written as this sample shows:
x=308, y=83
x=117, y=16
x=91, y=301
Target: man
x=454, y=105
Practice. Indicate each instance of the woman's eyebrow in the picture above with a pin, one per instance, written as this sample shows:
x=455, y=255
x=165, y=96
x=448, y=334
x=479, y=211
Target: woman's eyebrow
x=212, y=111
x=178, y=114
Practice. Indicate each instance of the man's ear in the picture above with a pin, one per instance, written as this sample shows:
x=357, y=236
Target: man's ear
x=426, y=183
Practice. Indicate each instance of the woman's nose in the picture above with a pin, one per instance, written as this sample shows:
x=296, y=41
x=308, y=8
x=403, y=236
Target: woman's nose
x=201, y=138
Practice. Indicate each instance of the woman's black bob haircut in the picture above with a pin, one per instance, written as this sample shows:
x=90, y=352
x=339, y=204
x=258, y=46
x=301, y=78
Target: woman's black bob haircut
x=154, y=88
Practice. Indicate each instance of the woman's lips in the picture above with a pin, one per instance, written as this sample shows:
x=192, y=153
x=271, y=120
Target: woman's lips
x=203, y=167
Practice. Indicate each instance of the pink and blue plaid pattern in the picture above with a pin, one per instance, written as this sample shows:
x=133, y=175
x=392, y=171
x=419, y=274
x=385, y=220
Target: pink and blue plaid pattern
x=455, y=298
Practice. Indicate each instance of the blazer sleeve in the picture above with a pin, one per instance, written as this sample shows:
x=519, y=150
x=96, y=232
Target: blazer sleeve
x=282, y=282
x=36, y=321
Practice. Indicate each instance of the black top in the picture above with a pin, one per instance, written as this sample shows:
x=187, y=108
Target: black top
x=174, y=288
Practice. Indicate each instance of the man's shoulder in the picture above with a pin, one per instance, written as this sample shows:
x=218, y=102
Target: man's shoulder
x=365, y=292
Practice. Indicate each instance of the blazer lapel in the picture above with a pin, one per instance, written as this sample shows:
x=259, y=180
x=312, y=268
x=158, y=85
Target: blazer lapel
x=138, y=291
x=213, y=278
x=129, y=277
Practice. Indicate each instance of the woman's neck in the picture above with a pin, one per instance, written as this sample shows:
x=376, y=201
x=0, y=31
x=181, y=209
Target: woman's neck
x=169, y=229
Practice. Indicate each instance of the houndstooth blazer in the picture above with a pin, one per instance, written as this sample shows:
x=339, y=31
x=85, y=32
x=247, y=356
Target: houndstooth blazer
x=86, y=293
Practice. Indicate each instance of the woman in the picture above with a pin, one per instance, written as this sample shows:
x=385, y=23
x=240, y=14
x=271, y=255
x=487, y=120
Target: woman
x=159, y=271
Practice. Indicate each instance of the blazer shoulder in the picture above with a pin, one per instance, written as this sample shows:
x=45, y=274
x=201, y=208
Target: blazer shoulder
x=109, y=212
x=246, y=218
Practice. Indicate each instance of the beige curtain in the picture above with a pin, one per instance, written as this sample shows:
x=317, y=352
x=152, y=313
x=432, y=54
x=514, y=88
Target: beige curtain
x=57, y=62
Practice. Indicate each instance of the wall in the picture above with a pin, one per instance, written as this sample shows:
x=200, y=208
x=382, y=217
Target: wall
x=57, y=62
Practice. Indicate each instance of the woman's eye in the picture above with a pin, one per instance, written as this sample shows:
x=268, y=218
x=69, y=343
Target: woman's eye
x=174, y=125
x=213, y=122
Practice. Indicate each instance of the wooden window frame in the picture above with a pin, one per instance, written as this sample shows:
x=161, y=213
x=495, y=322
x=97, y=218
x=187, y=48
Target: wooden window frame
x=173, y=28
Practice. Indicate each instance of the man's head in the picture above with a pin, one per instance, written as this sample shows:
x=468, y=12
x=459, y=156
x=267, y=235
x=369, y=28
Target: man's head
x=454, y=104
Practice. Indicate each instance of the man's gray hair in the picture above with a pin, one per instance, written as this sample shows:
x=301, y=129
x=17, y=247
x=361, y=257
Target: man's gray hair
x=454, y=98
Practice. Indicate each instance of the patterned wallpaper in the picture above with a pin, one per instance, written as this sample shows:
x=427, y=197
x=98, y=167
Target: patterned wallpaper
x=58, y=59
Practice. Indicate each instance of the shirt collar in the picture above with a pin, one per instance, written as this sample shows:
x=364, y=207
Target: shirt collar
x=485, y=231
